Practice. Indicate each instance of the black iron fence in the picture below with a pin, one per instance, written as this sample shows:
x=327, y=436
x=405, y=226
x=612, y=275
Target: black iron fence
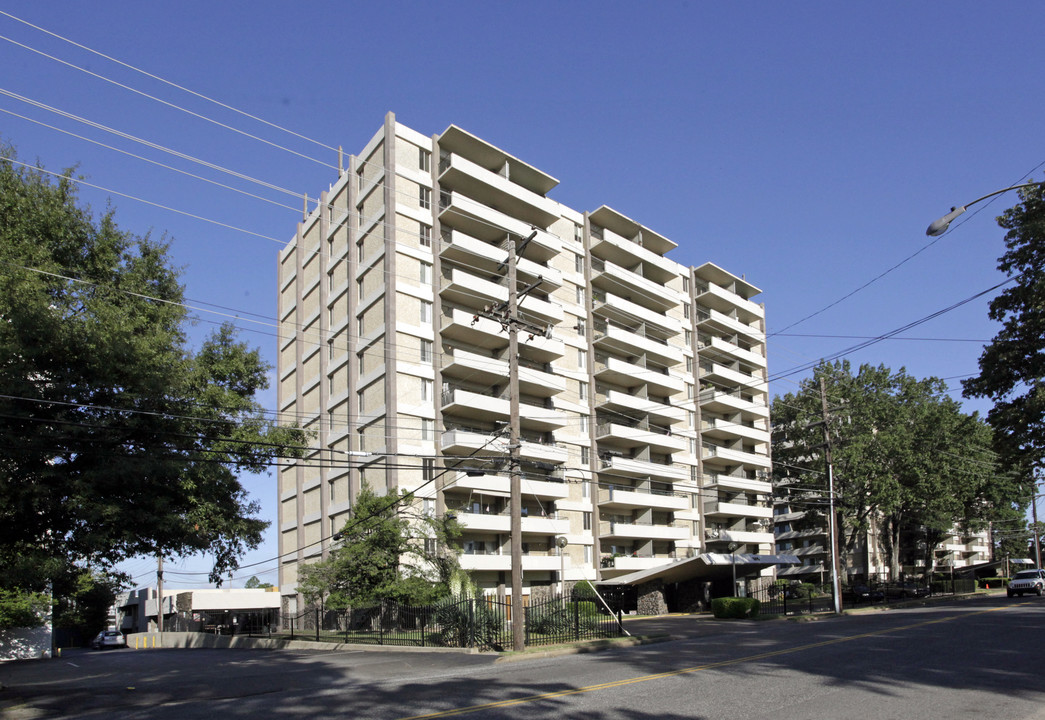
x=483, y=623
x=807, y=598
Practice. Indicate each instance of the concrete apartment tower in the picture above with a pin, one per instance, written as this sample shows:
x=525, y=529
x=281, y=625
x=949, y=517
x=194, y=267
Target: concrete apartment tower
x=642, y=388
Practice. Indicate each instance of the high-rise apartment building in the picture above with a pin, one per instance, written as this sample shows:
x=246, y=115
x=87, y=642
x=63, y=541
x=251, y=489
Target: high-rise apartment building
x=642, y=388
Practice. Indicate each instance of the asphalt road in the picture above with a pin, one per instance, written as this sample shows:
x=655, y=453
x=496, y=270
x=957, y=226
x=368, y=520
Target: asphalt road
x=959, y=659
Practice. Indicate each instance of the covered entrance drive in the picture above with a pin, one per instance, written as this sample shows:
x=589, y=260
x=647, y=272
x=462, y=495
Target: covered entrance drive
x=690, y=585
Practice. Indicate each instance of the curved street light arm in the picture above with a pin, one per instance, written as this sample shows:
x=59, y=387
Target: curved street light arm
x=939, y=227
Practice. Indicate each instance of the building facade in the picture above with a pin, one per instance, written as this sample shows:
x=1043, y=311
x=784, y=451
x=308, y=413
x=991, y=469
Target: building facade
x=642, y=386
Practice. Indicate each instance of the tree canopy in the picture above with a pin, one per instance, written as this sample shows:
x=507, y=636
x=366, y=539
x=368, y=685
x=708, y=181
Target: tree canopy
x=1012, y=365
x=908, y=464
x=119, y=439
x=384, y=553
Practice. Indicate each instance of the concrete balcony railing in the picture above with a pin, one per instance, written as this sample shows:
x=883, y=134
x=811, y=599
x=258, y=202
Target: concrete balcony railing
x=490, y=188
x=622, y=497
x=632, y=467
x=635, y=531
x=633, y=340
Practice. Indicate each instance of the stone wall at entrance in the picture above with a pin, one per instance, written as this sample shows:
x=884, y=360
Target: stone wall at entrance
x=651, y=598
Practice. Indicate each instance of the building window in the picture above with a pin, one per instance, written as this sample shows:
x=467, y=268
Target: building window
x=582, y=390
x=426, y=351
x=587, y=554
x=587, y=520
x=692, y=418
x=431, y=546
x=689, y=338
x=685, y=310
x=689, y=364
x=578, y=234
x=428, y=469
x=426, y=235
x=585, y=460
x=424, y=159
x=424, y=197
x=578, y=264
x=685, y=283
x=580, y=327
x=582, y=359
x=426, y=312
x=426, y=273
x=426, y=390
x=580, y=296
x=427, y=429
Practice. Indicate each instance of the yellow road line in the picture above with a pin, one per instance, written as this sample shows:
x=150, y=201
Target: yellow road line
x=686, y=671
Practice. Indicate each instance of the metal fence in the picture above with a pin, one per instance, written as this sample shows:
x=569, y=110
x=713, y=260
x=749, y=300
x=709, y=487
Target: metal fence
x=809, y=598
x=483, y=623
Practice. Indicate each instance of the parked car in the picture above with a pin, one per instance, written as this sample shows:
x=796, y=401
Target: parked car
x=863, y=593
x=1026, y=581
x=906, y=590
x=107, y=639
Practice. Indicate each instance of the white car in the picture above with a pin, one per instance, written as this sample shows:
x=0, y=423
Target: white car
x=1027, y=581
x=107, y=639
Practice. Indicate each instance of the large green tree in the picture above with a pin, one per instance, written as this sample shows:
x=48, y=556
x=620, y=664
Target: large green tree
x=908, y=464
x=1012, y=365
x=118, y=438
x=386, y=551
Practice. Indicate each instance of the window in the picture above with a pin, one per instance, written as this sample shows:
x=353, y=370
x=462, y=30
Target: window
x=426, y=273
x=582, y=390
x=431, y=546
x=580, y=295
x=425, y=234
x=582, y=359
x=689, y=364
x=692, y=446
x=427, y=506
x=580, y=327
x=427, y=429
x=424, y=197
x=424, y=159
x=685, y=283
x=578, y=234
x=685, y=310
x=426, y=312
x=689, y=338
x=426, y=351
x=587, y=554
x=587, y=520
x=585, y=460
x=692, y=418
x=578, y=264
x=428, y=469
x=426, y=390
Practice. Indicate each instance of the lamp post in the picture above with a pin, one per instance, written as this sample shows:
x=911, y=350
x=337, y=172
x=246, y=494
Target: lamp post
x=562, y=542
x=939, y=227
x=733, y=563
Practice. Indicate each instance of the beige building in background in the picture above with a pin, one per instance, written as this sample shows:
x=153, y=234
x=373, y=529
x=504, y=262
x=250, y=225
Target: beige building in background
x=643, y=404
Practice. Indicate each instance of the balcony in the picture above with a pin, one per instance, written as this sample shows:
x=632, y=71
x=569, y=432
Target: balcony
x=633, y=563
x=500, y=485
x=729, y=324
x=658, y=412
x=635, y=531
x=744, y=536
x=719, y=373
x=544, y=452
x=622, y=497
x=729, y=482
x=631, y=467
x=631, y=436
x=726, y=301
x=486, y=223
x=629, y=375
x=716, y=427
x=471, y=329
x=491, y=258
x=466, y=288
x=465, y=403
x=721, y=346
x=624, y=311
x=733, y=457
x=623, y=241
x=465, y=442
x=490, y=188
x=500, y=522
x=736, y=509
x=503, y=563
x=611, y=276
x=634, y=340
x=540, y=311
x=733, y=401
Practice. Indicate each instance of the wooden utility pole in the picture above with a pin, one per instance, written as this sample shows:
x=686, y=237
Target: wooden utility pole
x=159, y=598
x=833, y=531
x=514, y=435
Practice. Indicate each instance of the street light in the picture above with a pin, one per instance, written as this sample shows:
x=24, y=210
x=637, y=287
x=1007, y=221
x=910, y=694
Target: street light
x=733, y=562
x=562, y=542
x=939, y=227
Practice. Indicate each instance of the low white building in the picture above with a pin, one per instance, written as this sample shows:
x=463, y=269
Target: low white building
x=215, y=610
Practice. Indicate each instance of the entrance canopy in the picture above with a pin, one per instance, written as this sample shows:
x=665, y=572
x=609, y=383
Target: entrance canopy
x=708, y=566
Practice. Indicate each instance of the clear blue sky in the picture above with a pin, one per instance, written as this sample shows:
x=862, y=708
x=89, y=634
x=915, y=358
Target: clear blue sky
x=804, y=145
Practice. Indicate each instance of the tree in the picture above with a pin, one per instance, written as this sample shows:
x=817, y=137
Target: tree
x=384, y=555
x=119, y=440
x=907, y=462
x=1012, y=366
x=253, y=583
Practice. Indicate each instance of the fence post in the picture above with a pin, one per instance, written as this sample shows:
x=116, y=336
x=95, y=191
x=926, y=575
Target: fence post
x=470, y=636
x=381, y=623
x=317, y=624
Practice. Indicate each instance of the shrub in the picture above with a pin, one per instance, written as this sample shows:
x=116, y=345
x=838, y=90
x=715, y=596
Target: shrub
x=555, y=619
x=735, y=607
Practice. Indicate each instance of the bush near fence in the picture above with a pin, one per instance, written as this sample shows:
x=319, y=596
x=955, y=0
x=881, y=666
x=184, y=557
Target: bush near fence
x=735, y=607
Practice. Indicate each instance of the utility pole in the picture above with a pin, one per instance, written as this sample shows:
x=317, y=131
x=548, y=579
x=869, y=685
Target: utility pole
x=1034, y=514
x=159, y=599
x=835, y=585
x=505, y=314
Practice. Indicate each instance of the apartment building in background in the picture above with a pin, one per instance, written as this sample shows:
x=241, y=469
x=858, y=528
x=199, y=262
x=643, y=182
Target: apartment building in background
x=642, y=382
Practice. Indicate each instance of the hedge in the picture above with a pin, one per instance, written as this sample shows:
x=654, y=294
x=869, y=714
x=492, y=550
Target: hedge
x=735, y=607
